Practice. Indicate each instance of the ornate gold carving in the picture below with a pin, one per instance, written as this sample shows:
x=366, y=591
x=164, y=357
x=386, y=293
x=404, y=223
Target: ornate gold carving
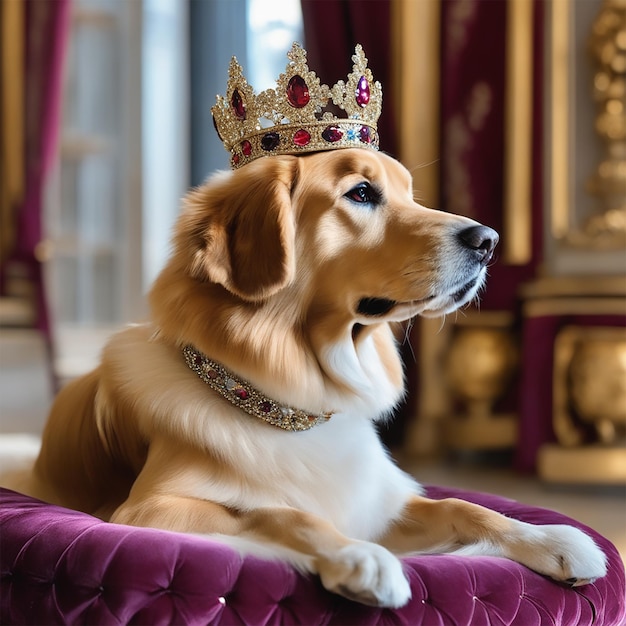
x=589, y=414
x=590, y=386
x=607, y=45
x=480, y=364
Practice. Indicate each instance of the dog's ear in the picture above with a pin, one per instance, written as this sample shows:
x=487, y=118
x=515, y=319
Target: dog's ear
x=243, y=228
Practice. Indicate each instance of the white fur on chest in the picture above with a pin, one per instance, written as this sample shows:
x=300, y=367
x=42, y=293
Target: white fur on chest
x=359, y=488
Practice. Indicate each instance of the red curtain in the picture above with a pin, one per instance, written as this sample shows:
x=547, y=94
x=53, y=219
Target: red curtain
x=473, y=70
x=45, y=34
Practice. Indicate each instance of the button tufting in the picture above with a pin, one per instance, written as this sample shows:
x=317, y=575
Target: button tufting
x=140, y=593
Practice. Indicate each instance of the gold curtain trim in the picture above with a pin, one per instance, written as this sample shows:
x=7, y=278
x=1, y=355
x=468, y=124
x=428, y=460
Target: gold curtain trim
x=415, y=39
x=517, y=240
x=559, y=116
x=11, y=119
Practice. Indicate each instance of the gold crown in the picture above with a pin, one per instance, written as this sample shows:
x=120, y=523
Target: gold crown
x=290, y=118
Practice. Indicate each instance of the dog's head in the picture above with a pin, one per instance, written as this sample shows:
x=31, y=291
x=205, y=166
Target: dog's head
x=341, y=231
x=304, y=259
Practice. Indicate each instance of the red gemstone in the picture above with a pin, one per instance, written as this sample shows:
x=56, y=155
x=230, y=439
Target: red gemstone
x=265, y=406
x=297, y=92
x=246, y=147
x=241, y=393
x=302, y=138
x=235, y=159
x=332, y=134
x=362, y=93
x=365, y=134
x=238, y=105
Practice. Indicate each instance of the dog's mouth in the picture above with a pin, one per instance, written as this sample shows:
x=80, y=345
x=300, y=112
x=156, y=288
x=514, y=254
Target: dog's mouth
x=375, y=307
x=438, y=304
x=379, y=309
x=461, y=294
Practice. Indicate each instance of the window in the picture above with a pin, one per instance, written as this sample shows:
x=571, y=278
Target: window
x=141, y=78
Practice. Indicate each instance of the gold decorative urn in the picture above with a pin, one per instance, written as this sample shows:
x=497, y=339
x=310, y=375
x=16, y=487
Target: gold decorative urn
x=480, y=364
x=589, y=407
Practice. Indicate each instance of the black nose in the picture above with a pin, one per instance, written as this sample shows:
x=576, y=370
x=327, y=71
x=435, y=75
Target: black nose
x=481, y=239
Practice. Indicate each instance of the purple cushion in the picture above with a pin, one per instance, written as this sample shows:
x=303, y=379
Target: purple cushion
x=60, y=566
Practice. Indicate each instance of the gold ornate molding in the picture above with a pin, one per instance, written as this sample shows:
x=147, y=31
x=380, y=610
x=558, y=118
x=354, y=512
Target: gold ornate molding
x=605, y=229
x=575, y=295
x=416, y=26
x=517, y=240
x=559, y=116
x=607, y=44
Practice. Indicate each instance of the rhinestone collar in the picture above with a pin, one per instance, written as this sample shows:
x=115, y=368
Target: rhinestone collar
x=242, y=395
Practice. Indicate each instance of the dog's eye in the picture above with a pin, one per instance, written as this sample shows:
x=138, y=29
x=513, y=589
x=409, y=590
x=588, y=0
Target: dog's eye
x=363, y=192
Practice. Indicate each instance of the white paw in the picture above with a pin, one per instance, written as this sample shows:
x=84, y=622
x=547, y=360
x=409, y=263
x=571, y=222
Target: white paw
x=562, y=552
x=367, y=573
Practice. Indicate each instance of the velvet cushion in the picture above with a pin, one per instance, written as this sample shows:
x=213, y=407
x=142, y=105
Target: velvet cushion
x=60, y=566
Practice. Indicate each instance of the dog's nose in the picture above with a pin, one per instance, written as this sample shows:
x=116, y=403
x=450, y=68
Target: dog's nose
x=482, y=240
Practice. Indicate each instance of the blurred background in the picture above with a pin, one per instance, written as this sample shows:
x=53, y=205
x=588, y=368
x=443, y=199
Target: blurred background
x=510, y=111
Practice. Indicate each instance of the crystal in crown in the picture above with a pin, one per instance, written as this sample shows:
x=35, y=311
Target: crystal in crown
x=290, y=118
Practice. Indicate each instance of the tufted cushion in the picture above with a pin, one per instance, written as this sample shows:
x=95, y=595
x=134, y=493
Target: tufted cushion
x=61, y=566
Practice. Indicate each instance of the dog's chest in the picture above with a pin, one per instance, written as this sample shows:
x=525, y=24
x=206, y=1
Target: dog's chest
x=338, y=471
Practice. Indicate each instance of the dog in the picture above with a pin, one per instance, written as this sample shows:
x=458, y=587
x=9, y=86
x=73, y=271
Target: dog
x=246, y=407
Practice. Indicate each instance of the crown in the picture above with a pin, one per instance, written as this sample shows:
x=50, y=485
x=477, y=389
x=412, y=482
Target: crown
x=291, y=118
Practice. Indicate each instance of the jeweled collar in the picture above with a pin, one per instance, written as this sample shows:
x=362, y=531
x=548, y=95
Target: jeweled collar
x=244, y=396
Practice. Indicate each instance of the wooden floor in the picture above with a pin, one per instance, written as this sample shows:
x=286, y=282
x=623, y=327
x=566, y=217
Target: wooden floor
x=25, y=394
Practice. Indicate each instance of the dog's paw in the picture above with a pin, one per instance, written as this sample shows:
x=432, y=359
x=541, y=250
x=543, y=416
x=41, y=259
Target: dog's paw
x=561, y=552
x=367, y=573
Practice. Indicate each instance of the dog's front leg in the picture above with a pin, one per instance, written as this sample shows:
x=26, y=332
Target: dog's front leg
x=358, y=570
x=561, y=552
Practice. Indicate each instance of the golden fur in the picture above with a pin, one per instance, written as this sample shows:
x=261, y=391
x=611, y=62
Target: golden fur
x=288, y=272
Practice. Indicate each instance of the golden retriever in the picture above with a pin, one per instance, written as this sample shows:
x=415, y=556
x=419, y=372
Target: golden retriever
x=287, y=273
